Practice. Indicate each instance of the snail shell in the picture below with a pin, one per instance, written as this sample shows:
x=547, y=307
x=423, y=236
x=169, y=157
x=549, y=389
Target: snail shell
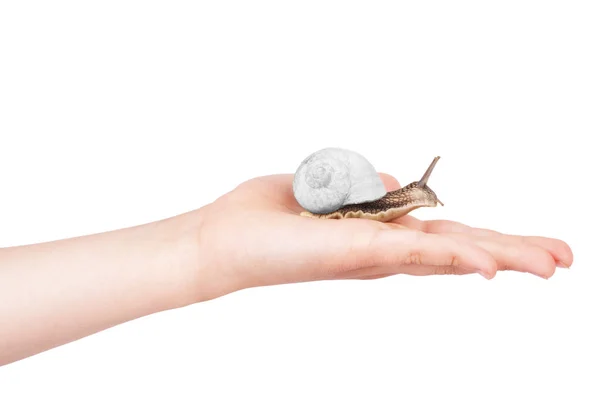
x=331, y=178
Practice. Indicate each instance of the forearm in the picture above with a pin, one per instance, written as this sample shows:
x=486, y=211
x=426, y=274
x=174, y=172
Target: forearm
x=53, y=293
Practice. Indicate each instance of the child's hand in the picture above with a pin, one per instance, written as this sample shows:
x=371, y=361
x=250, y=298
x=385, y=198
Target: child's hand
x=254, y=236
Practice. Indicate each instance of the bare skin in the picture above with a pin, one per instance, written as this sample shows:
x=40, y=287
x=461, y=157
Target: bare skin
x=57, y=292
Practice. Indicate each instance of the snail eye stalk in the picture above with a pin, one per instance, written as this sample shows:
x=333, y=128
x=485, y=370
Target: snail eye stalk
x=427, y=173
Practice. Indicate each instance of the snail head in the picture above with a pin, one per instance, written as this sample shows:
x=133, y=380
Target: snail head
x=420, y=193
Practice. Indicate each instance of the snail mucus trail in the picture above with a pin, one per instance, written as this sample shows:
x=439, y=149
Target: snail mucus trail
x=394, y=204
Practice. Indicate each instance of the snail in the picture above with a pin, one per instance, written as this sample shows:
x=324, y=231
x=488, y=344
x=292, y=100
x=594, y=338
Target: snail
x=336, y=183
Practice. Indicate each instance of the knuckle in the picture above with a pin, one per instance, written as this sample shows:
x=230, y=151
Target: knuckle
x=454, y=261
x=445, y=270
x=361, y=241
x=414, y=258
x=358, y=252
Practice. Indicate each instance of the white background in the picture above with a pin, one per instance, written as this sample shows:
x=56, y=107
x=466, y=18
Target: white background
x=118, y=113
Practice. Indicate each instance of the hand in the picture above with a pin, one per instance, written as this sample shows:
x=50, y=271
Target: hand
x=254, y=236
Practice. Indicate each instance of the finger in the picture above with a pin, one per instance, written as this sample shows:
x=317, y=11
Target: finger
x=515, y=256
x=560, y=251
x=415, y=270
x=396, y=248
x=389, y=182
x=370, y=277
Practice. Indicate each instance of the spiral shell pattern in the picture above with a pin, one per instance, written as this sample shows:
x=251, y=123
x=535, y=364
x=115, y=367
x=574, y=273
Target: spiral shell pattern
x=332, y=178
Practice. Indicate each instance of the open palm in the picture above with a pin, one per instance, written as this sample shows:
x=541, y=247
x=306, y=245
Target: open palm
x=257, y=238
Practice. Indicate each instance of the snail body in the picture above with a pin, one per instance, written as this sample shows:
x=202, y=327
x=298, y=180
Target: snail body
x=335, y=183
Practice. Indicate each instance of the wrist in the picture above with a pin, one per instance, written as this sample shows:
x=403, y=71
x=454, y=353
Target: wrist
x=189, y=266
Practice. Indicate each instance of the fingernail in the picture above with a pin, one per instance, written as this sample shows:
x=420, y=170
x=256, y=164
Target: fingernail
x=485, y=275
x=560, y=264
